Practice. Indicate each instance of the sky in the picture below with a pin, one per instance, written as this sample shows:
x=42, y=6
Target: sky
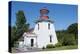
x=63, y=15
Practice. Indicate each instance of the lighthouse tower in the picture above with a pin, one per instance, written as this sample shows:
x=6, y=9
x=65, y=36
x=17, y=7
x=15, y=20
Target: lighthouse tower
x=45, y=30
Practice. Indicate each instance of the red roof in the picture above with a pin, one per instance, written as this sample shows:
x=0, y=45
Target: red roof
x=44, y=17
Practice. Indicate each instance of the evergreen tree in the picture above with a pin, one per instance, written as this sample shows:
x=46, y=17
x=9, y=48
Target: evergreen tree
x=13, y=35
x=21, y=24
x=20, y=27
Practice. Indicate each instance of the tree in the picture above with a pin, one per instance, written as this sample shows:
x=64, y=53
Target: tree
x=20, y=27
x=73, y=28
x=13, y=35
x=60, y=35
x=68, y=39
x=21, y=23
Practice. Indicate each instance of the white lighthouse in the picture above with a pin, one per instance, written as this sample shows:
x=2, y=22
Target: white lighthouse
x=45, y=30
x=43, y=33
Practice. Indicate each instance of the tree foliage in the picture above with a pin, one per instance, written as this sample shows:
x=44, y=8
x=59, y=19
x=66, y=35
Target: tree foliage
x=68, y=39
x=73, y=28
x=13, y=35
x=69, y=36
x=20, y=27
x=21, y=23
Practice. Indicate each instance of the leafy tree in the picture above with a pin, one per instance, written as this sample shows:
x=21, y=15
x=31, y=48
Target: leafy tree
x=73, y=29
x=60, y=35
x=68, y=39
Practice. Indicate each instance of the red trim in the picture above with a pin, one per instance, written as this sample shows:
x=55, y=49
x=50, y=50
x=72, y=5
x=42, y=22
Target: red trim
x=44, y=17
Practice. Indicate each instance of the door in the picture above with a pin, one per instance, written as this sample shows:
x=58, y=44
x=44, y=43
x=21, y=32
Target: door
x=32, y=42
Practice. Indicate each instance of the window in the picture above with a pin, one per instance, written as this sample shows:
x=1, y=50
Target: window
x=48, y=25
x=38, y=26
x=50, y=38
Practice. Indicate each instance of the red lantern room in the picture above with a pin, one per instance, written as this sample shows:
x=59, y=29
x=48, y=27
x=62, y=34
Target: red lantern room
x=44, y=16
x=44, y=13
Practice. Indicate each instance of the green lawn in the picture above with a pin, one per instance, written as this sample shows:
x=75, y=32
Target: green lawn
x=63, y=48
x=53, y=49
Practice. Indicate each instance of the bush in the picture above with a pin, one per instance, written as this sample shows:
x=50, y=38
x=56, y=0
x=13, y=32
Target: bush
x=43, y=47
x=58, y=44
x=69, y=39
x=50, y=46
x=16, y=44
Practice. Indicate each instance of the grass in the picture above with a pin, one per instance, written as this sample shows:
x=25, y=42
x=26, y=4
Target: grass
x=63, y=48
x=53, y=49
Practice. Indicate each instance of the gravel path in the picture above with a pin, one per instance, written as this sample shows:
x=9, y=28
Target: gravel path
x=22, y=50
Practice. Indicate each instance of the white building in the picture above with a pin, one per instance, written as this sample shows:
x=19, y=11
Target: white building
x=43, y=33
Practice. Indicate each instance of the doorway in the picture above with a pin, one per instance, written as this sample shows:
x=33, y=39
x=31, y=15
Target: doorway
x=32, y=42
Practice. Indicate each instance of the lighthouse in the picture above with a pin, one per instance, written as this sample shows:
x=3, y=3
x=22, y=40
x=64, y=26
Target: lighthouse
x=42, y=34
x=45, y=30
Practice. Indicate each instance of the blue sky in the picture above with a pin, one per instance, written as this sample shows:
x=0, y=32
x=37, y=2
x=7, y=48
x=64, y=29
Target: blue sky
x=63, y=15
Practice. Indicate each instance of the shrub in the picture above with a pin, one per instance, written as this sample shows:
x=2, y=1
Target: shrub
x=16, y=44
x=69, y=39
x=58, y=44
x=50, y=46
x=66, y=38
x=43, y=47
